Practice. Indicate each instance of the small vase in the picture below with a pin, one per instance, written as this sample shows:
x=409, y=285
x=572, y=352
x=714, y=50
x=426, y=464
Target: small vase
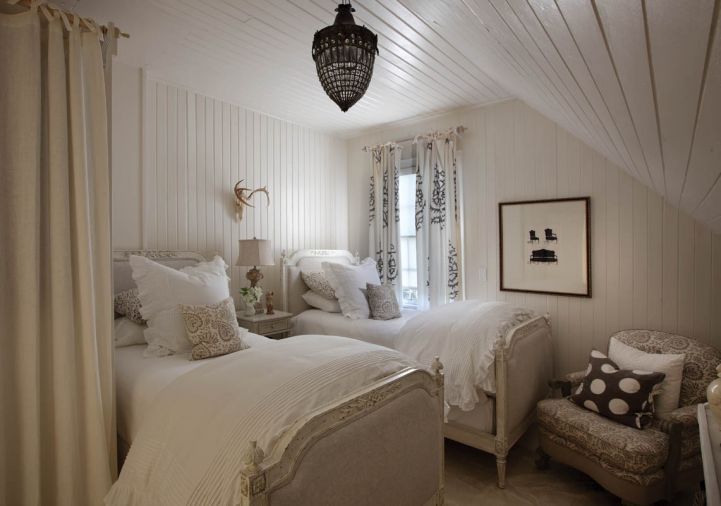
x=713, y=394
x=249, y=309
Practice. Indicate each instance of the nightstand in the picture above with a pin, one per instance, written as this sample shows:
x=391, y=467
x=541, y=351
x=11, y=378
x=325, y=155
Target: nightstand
x=710, y=437
x=276, y=325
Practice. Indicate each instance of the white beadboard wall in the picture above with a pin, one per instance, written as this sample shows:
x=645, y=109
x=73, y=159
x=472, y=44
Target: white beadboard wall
x=196, y=148
x=653, y=266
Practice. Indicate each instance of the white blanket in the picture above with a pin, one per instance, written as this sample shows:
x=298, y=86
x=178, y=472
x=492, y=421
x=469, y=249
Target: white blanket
x=463, y=335
x=380, y=332
x=189, y=449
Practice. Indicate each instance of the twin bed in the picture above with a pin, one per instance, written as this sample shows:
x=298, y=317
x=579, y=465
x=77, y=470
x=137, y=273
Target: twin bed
x=306, y=420
x=521, y=369
x=233, y=432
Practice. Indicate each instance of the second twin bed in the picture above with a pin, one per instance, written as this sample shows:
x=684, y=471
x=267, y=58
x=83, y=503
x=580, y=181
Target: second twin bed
x=497, y=357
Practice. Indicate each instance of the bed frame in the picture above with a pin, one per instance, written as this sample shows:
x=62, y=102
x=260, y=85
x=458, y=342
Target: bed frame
x=270, y=479
x=521, y=376
x=511, y=368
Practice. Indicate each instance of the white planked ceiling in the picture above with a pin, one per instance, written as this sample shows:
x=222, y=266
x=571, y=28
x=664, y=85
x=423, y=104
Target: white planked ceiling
x=638, y=80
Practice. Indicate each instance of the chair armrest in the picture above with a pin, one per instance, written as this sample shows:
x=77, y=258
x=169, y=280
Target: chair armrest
x=676, y=424
x=568, y=382
x=685, y=416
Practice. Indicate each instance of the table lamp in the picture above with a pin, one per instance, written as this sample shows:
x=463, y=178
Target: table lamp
x=255, y=252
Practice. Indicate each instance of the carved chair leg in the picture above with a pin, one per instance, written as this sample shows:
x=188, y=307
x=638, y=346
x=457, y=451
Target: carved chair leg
x=542, y=459
x=501, y=468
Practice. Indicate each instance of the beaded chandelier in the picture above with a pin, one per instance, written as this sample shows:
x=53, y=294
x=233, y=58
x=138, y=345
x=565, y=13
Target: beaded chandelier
x=344, y=54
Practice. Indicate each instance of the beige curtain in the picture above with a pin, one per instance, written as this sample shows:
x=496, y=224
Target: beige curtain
x=57, y=434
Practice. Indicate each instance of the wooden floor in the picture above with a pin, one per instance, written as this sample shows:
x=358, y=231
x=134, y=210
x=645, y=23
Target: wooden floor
x=471, y=479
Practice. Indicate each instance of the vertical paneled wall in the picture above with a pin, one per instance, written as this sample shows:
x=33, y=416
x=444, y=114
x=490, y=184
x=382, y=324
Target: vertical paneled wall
x=196, y=148
x=653, y=266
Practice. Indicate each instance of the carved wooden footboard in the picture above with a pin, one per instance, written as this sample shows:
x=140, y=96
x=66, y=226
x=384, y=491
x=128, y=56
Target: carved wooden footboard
x=263, y=478
x=523, y=368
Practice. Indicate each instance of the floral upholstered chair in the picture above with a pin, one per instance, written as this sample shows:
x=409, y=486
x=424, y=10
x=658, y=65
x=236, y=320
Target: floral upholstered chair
x=639, y=466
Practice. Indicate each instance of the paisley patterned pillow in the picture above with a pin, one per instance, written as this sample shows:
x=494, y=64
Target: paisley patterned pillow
x=382, y=302
x=317, y=282
x=127, y=304
x=212, y=329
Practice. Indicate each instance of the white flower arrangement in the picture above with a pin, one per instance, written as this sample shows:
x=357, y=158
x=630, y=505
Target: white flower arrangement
x=251, y=295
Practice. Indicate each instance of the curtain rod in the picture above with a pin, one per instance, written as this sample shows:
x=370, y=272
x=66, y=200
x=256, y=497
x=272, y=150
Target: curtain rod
x=457, y=130
x=89, y=22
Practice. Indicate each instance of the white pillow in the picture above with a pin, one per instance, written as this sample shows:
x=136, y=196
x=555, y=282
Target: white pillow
x=128, y=333
x=348, y=281
x=670, y=364
x=162, y=290
x=318, y=301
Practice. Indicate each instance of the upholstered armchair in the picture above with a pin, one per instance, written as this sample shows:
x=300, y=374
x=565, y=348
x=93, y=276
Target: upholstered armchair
x=639, y=466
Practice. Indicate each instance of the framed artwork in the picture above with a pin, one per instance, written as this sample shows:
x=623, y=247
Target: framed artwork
x=545, y=246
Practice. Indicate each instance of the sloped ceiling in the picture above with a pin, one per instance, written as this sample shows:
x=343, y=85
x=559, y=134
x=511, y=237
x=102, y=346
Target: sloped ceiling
x=638, y=80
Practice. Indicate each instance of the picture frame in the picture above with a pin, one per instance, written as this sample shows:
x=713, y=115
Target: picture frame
x=545, y=246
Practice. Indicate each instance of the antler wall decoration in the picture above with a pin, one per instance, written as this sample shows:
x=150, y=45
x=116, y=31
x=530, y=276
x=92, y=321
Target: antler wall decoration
x=242, y=200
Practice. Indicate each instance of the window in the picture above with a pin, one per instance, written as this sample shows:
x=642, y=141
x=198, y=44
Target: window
x=407, y=205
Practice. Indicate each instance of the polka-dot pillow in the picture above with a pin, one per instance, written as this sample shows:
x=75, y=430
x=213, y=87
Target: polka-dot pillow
x=620, y=395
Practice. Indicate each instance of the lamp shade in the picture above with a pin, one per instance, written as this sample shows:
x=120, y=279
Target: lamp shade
x=255, y=252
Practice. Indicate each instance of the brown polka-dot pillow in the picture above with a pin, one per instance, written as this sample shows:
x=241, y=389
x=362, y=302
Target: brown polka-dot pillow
x=127, y=303
x=212, y=329
x=621, y=395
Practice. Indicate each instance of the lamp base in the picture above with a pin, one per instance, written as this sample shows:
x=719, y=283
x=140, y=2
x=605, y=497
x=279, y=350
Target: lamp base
x=254, y=275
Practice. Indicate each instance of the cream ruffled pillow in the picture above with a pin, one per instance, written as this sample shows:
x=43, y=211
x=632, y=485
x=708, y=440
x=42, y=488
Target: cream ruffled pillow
x=162, y=290
x=348, y=282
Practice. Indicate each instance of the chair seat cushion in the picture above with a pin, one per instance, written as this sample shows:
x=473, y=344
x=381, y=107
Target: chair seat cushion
x=636, y=451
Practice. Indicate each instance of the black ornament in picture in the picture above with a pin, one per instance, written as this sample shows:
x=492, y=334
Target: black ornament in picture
x=556, y=260
x=544, y=256
x=344, y=54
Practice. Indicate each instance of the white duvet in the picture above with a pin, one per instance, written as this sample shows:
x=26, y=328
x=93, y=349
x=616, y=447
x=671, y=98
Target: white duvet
x=189, y=448
x=463, y=335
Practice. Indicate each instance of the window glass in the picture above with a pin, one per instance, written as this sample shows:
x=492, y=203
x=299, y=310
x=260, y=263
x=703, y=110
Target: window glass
x=409, y=276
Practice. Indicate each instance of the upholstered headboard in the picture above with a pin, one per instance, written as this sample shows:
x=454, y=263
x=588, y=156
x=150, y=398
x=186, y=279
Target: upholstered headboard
x=123, y=275
x=306, y=260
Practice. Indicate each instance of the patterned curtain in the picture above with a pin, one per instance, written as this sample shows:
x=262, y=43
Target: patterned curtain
x=438, y=225
x=384, y=214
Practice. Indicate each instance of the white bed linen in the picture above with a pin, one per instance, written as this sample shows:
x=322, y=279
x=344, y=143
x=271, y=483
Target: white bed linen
x=190, y=444
x=380, y=332
x=139, y=379
x=463, y=334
